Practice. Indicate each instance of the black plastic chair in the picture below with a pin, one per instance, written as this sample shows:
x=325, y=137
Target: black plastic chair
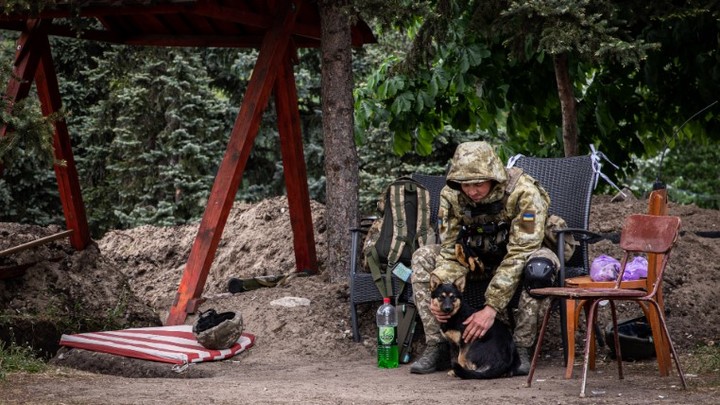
x=570, y=183
x=362, y=286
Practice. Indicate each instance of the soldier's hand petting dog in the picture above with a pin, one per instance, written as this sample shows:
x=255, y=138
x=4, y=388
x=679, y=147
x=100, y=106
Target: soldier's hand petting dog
x=439, y=314
x=478, y=323
x=475, y=326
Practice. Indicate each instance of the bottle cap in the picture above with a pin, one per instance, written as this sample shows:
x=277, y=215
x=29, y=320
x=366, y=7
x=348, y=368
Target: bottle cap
x=386, y=300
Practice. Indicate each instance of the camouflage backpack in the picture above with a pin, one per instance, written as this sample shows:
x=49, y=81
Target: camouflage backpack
x=403, y=226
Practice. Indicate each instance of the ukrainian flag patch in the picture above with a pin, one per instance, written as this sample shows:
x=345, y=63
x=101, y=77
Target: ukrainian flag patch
x=528, y=216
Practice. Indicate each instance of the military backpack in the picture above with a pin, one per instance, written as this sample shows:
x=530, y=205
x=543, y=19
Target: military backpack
x=402, y=227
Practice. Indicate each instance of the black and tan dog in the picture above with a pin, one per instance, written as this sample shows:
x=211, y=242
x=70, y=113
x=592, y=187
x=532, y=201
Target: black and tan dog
x=492, y=356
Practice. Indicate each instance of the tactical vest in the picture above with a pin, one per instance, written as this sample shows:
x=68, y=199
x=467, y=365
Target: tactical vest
x=483, y=232
x=485, y=235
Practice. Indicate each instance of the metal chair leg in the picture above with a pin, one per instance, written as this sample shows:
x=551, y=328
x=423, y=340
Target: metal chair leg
x=670, y=342
x=538, y=345
x=616, y=336
x=354, y=321
x=563, y=332
x=588, y=343
x=571, y=323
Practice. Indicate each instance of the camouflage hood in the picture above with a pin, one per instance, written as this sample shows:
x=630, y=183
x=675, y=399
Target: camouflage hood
x=475, y=162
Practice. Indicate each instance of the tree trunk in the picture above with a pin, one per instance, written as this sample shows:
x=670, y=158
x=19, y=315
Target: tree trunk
x=567, y=105
x=341, y=160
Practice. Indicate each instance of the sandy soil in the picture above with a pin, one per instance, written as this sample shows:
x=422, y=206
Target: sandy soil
x=304, y=354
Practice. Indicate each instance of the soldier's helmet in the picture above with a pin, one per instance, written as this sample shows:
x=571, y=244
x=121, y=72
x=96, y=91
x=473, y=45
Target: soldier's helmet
x=218, y=331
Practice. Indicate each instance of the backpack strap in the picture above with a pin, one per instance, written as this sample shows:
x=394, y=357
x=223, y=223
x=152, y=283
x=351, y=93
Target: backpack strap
x=423, y=226
x=381, y=276
x=397, y=205
x=400, y=232
x=382, y=279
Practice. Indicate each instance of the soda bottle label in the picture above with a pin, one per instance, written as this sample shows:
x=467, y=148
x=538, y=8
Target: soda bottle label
x=387, y=335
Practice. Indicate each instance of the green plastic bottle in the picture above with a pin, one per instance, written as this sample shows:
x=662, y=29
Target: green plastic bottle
x=387, y=347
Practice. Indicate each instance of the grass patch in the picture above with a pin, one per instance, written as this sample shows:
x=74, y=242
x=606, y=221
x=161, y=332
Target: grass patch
x=705, y=360
x=14, y=358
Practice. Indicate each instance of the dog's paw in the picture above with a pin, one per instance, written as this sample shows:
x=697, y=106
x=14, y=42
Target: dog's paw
x=451, y=373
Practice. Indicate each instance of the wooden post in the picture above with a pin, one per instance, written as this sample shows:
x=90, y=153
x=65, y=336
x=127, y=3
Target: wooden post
x=33, y=59
x=65, y=170
x=657, y=205
x=270, y=61
x=294, y=167
x=26, y=61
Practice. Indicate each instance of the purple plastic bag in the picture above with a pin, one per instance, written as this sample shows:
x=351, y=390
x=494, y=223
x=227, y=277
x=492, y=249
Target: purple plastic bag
x=636, y=269
x=604, y=268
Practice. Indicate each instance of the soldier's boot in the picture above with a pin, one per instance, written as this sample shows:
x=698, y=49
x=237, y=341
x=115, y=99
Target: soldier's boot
x=524, y=367
x=435, y=357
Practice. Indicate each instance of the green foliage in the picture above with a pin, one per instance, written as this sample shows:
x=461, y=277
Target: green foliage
x=29, y=130
x=149, y=126
x=32, y=6
x=416, y=106
x=466, y=83
x=638, y=69
x=15, y=358
x=153, y=142
x=29, y=193
x=595, y=31
x=684, y=169
x=28, y=190
x=230, y=71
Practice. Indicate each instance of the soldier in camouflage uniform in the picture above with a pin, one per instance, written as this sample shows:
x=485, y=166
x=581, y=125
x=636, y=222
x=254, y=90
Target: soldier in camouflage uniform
x=492, y=223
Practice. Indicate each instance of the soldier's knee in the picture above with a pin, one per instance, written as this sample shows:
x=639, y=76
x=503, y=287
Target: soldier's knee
x=423, y=263
x=539, y=272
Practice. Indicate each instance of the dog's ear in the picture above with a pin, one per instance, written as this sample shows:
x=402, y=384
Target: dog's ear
x=460, y=283
x=434, y=282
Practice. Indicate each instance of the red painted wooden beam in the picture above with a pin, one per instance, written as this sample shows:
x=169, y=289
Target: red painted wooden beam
x=65, y=169
x=270, y=61
x=26, y=62
x=294, y=168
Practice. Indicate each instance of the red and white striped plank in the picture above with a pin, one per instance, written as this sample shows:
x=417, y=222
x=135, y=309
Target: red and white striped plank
x=169, y=344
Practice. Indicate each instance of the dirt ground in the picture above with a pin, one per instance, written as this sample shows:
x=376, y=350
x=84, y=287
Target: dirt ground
x=305, y=354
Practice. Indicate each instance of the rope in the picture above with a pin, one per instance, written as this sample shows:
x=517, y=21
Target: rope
x=596, y=156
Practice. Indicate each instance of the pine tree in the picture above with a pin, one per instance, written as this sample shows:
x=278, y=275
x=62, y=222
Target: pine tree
x=155, y=140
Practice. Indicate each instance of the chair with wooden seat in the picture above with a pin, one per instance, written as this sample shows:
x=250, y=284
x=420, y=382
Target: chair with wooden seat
x=641, y=234
x=574, y=307
x=657, y=206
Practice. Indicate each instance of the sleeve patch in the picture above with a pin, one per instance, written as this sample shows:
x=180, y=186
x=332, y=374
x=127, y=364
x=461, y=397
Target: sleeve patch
x=528, y=216
x=527, y=222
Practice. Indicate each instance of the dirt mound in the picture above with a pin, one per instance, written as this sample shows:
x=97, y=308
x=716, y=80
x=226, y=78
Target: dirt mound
x=62, y=290
x=129, y=278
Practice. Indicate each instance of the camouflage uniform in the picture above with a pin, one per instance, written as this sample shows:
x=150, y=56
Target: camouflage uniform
x=523, y=211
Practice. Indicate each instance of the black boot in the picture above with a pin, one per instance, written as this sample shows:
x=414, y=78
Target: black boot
x=435, y=357
x=524, y=367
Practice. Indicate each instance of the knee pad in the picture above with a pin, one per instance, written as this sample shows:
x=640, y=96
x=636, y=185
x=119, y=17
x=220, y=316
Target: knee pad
x=539, y=273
